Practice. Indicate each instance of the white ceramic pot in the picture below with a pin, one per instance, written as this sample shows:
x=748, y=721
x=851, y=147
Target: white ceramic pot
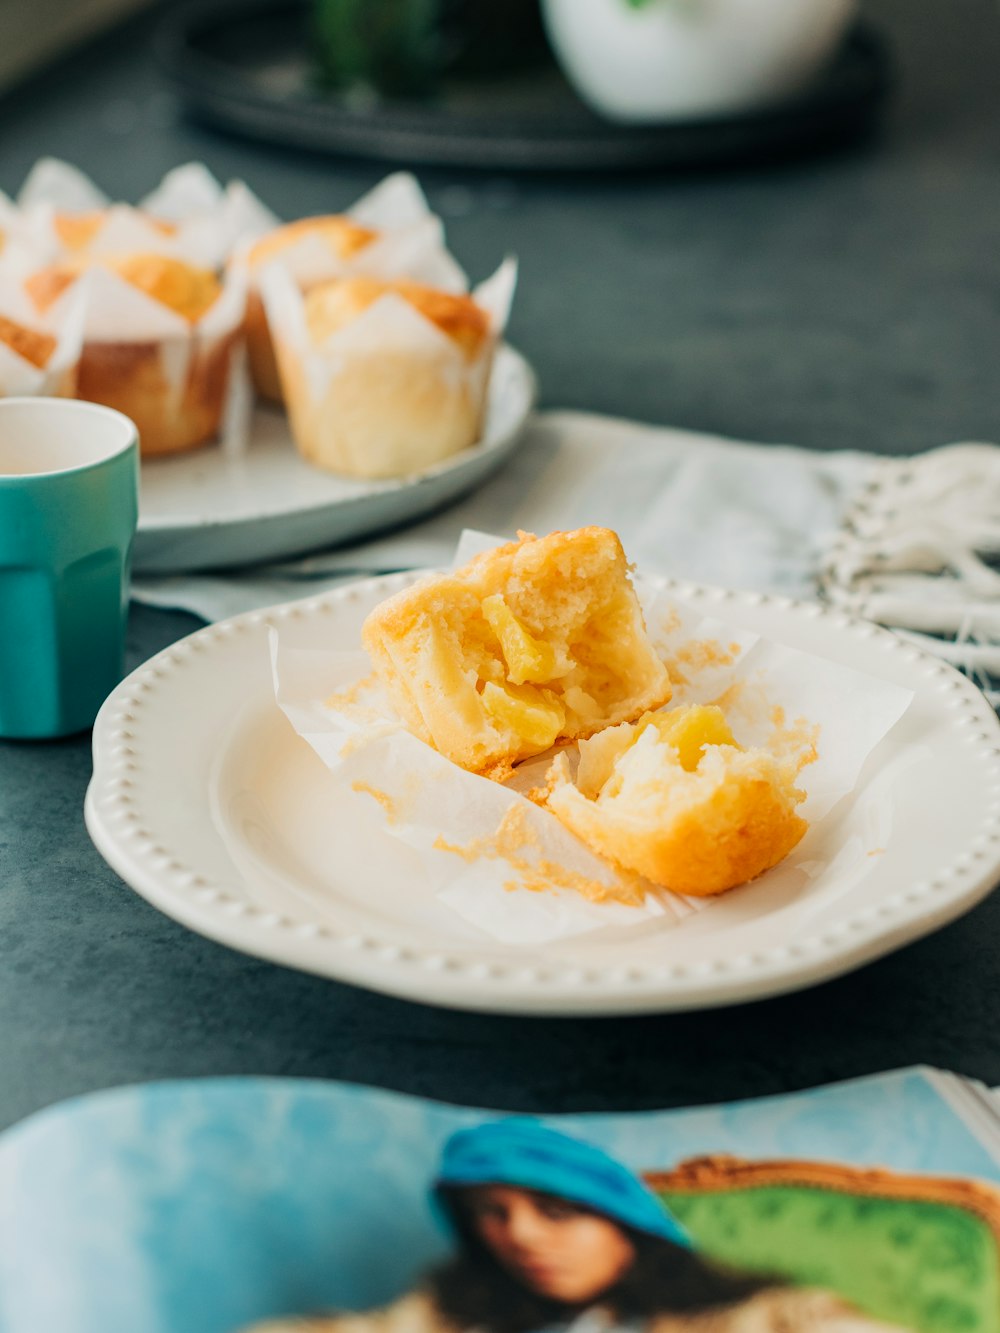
x=677, y=59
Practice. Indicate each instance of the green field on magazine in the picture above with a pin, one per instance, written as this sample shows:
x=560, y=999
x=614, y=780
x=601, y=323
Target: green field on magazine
x=931, y=1267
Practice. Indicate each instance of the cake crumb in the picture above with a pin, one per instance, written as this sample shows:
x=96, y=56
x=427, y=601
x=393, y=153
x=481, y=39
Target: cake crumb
x=798, y=739
x=346, y=702
x=514, y=837
x=384, y=799
x=671, y=621
x=696, y=655
x=728, y=698
x=345, y=698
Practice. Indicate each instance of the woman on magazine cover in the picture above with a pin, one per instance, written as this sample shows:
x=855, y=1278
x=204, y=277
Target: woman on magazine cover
x=553, y=1234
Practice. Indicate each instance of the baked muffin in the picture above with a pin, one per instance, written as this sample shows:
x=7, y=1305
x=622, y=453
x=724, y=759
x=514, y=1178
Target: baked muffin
x=538, y=642
x=174, y=384
x=674, y=798
x=383, y=379
x=329, y=241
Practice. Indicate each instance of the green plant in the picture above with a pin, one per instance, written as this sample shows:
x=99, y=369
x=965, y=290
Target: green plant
x=391, y=46
x=404, y=48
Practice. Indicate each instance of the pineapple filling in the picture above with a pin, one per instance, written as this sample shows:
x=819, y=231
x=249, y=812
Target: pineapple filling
x=515, y=701
x=615, y=758
x=689, y=730
x=529, y=660
x=543, y=686
x=535, y=715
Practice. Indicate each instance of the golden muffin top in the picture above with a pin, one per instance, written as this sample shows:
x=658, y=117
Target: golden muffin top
x=332, y=305
x=341, y=234
x=77, y=230
x=31, y=344
x=184, y=288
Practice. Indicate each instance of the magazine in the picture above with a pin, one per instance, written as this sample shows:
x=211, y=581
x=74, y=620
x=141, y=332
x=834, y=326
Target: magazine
x=219, y=1205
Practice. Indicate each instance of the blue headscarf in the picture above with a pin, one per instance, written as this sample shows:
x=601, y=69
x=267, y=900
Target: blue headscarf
x=528, y=1155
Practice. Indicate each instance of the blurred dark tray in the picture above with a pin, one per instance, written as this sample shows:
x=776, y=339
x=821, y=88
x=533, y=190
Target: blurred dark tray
x=245, y=65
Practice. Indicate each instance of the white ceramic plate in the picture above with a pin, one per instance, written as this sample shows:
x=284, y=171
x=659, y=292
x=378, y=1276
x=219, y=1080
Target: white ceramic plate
x=207, y=509
x=206, y=802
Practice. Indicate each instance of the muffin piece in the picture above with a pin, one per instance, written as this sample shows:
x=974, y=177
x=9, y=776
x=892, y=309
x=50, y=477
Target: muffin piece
x=174, y=387
x=341, y=236
x=674, y=798
x=394, y=395
x=537, y=642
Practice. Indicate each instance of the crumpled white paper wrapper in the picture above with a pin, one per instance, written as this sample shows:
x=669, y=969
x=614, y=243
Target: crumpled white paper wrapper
x=209, y=220
x=336, y=704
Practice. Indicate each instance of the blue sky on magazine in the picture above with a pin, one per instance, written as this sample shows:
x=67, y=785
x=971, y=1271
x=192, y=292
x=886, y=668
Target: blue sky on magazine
x=206, y=1204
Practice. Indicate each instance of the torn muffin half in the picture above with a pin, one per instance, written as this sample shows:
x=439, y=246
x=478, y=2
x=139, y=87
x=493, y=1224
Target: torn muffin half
x=674, y=798
x=535, y=643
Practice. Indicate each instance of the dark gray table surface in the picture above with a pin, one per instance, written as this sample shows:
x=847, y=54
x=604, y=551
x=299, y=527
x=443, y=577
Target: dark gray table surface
x=848, y=301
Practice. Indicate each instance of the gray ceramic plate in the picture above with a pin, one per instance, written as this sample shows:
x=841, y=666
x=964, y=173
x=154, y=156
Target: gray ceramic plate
x=209, y=510
x=247, y=65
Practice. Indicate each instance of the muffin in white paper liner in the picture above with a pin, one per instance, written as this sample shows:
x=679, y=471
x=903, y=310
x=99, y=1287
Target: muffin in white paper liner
x=388, y=394
x=509, y=866
x=61, y=338
x=189, y=216
x=408, y=243
x=180, y=381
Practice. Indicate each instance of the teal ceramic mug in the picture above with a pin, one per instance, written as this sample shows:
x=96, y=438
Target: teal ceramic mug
x=69, y=503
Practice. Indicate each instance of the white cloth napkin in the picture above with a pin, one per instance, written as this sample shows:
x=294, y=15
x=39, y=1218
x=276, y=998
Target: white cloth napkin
x=693, y=506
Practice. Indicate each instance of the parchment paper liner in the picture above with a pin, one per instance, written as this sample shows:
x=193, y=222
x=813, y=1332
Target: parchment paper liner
x=410, y=244
x=389, y=394
x=509, y=867
x=207, y=220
